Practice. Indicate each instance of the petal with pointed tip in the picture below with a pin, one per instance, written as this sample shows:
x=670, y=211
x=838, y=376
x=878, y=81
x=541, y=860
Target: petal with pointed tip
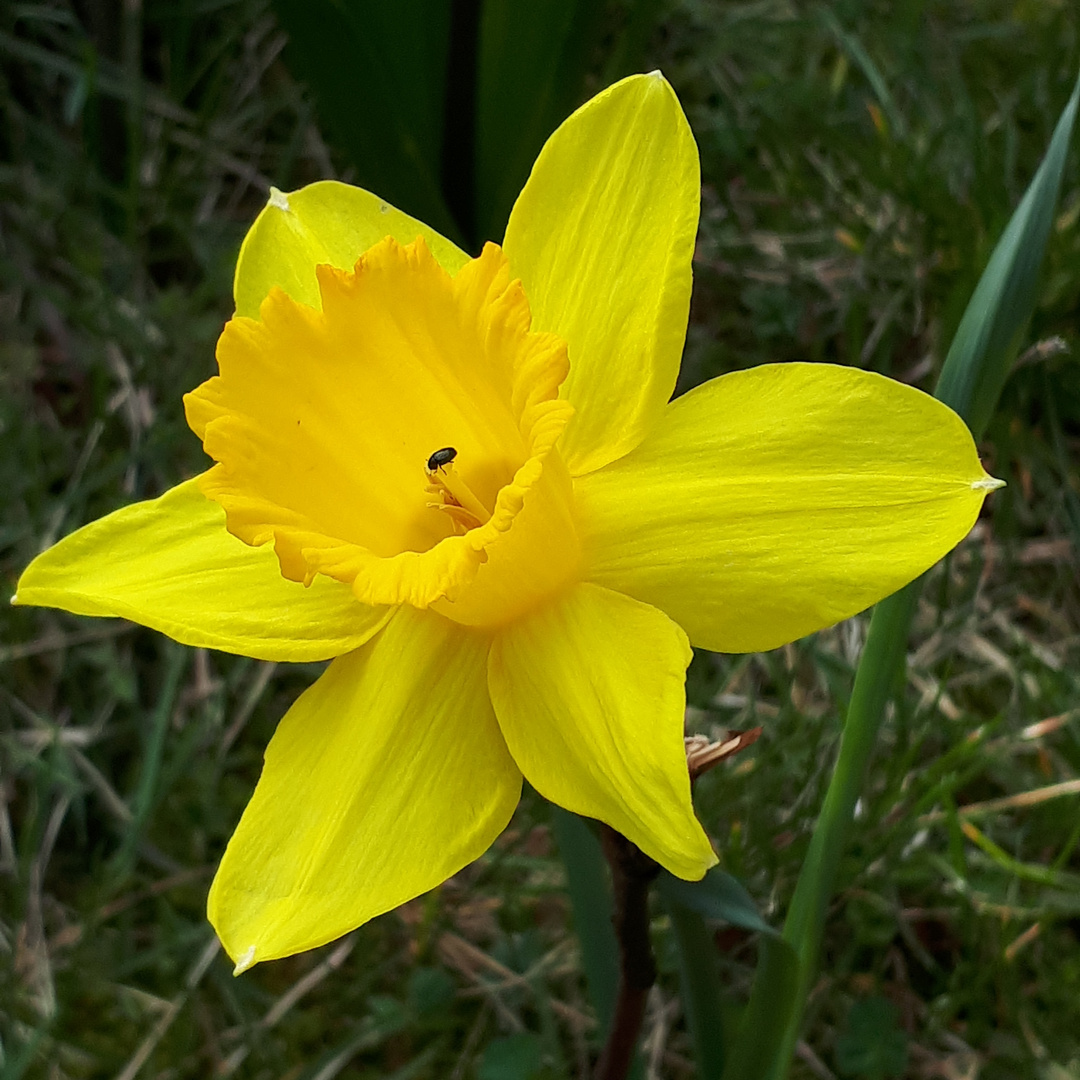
x=590, y=694
x=170, y=564
x=327, y=222
x=602, y=237
x=384, y=779
x=772, y=502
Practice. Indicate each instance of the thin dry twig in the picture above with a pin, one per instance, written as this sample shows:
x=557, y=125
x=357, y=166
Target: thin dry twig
x=55, y=642
x=170, y=1011
x=287, y=1000
x=1007, y=802
x=259, y=683
x=32, y=955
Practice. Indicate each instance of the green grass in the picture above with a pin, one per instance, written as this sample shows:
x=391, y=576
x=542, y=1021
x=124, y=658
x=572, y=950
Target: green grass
x=857, y=173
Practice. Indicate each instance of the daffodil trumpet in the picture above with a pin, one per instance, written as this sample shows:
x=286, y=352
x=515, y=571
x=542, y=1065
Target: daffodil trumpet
x=464, y=482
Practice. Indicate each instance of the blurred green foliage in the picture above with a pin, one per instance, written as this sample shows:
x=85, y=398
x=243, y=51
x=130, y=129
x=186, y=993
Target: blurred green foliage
x=443, y=105
x=858, y=169
x=871, y=1043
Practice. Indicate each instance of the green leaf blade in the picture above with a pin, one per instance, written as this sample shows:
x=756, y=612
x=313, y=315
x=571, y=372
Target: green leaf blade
x=700, y=988
x=533, y=60
x=993, y=326
x=377, y=69
x=717, y=895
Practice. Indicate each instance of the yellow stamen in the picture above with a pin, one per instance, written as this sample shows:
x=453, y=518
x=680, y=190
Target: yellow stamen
x=462, y=519
x=447, y=481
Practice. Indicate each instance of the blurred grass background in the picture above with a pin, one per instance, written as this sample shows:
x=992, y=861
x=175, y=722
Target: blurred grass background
x=859, y=161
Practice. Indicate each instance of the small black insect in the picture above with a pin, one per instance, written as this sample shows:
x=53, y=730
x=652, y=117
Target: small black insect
x=440, y=458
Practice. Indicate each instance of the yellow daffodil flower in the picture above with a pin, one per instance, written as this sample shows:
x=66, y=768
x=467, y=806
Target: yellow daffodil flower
x=463, y=480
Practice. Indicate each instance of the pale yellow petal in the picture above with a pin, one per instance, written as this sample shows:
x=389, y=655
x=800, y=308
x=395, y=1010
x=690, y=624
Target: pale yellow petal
x=771, y=502
x=170, y=564
x=386, y=777
x=590, y=694
x=602, y=238
x=325, y=222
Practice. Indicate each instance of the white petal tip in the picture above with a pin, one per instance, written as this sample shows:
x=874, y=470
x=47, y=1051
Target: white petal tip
x=279, y=199
x=14, y=600
x=987, y=483
x=246, y=960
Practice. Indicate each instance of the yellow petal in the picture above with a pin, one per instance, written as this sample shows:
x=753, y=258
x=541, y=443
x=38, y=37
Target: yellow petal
x=171, y=565
x=590, y=694
x=325, y=222
x=602, y=237
x=771, y=502
x=386, y=777
x=323, y=421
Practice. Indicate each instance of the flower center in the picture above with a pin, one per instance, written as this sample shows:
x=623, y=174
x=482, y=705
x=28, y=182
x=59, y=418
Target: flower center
x=455, y=498
x=319, y=419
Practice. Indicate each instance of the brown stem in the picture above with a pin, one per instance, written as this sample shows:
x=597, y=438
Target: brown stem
x=632, y=872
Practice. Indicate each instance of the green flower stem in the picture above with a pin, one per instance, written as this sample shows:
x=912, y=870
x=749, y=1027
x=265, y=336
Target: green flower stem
x=770, y=1013
x=882, y=662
